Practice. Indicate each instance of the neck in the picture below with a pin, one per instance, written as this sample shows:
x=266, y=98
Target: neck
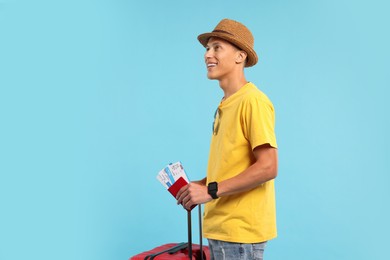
x=232, y=85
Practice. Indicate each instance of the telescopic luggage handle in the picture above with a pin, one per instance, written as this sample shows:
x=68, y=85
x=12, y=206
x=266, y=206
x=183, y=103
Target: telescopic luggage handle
x=190, y=232
x=174, y=189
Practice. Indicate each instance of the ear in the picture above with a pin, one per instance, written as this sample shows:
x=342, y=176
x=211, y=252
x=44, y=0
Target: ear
x=241, y=57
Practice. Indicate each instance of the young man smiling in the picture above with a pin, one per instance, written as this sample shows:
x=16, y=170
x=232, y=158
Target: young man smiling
x=238, y=190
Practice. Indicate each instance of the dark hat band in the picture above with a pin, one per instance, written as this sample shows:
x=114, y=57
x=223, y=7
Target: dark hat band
x=222, y=31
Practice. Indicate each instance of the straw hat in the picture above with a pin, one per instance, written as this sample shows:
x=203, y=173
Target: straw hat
x=235, y=33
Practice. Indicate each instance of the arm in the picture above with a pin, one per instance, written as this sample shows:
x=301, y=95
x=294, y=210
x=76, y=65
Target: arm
x=262, y=170
x=201, y=182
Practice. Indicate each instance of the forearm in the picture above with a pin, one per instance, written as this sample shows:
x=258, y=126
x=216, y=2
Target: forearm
x=202, y=181
x=247, y=180
x=263, y=170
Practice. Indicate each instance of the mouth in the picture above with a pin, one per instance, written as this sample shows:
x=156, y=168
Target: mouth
x=211, y=65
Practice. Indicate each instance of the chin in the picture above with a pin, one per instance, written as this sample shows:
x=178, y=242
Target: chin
x=210, y=76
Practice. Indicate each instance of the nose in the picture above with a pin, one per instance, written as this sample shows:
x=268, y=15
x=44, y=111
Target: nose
x=208, y=54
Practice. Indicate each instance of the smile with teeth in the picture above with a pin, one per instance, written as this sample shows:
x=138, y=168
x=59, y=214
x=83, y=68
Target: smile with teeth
x=209, y=65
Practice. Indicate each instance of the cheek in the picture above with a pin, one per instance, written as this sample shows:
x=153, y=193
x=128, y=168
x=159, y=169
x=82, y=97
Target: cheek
x=227, y=60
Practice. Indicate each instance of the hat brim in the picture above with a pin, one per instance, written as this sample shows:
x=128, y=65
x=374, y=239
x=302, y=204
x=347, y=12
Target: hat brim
x=252, y=56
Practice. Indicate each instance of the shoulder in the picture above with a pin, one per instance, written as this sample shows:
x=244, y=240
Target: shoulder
x=254, y=95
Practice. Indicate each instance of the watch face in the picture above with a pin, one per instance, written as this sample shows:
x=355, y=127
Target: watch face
x=212, y=189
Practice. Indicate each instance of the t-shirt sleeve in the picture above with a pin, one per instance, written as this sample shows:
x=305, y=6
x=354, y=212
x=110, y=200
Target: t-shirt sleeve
x=259, y=122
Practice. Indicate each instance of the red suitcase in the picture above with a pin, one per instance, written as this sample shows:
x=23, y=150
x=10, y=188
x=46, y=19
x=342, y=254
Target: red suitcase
x=181, y=250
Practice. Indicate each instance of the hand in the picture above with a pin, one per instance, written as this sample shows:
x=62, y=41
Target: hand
x=192, y=194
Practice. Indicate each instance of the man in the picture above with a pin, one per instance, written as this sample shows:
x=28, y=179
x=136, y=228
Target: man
x=239, y=189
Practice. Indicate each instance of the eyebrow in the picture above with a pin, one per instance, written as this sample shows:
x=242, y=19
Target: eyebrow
x=221, y=42
x=213, y=43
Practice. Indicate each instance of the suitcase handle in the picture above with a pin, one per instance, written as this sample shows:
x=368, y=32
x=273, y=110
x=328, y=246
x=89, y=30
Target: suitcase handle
x=190, y=233
x=177, y=248
x=200, y=231
x=171, y=250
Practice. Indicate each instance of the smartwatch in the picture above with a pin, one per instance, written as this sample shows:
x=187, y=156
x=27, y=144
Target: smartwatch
x=212, y=189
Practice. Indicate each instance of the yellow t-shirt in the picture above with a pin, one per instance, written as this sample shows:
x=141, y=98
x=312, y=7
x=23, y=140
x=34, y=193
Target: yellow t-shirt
x=244, y=121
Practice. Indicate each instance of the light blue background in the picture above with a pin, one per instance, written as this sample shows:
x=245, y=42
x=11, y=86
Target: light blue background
x=97, y=96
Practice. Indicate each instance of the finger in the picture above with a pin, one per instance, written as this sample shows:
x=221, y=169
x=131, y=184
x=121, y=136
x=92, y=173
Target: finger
x=188, y=202
x=181, y=191
x=182, y=196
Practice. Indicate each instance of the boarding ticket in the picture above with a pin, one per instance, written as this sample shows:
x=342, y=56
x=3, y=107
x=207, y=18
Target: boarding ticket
x=171, y=173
